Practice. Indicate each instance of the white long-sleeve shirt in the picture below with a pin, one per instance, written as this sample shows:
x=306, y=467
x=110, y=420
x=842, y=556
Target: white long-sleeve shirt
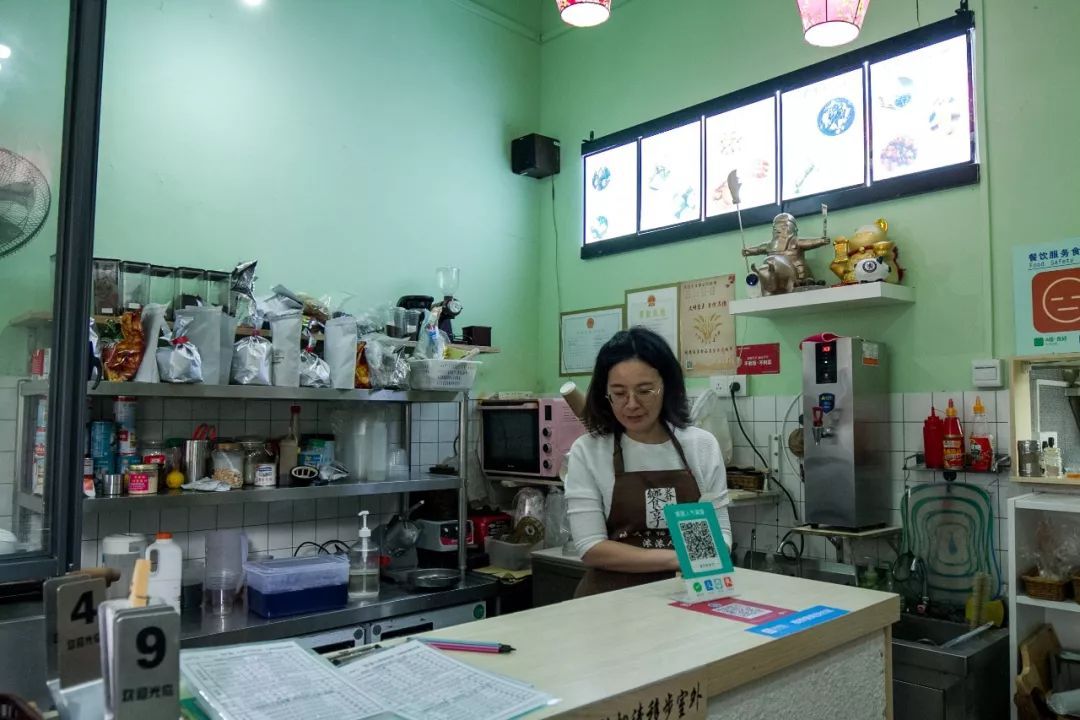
x=590, y=478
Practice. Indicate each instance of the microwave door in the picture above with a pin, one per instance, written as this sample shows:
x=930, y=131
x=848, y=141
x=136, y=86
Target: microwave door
x=511, y=440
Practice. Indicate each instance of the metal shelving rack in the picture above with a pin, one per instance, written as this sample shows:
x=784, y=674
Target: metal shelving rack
x=402, y=482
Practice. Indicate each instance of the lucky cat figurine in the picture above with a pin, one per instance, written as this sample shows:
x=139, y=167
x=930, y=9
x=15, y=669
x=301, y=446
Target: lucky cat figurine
x=867, y=256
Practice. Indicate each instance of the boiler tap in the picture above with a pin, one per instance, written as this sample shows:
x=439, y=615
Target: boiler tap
x=820, y=431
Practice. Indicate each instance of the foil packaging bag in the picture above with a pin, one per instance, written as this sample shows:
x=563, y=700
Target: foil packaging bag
x=339, y=350
x=181, y=362
x=202, y=325
x=251, y=362
x=314, y=372
x=285, y=328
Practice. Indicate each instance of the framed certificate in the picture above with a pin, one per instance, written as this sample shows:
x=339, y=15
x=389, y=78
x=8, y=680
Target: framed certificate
x=581, y=335
x=656, y=308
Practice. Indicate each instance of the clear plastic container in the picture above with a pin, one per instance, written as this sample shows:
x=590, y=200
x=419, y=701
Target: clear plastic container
x=290, y=586
x=135, y=284
x=508, y=555
x=364, y=565
x=163, y=287
x=191, y=288
x=106, y=286
x=218, y=284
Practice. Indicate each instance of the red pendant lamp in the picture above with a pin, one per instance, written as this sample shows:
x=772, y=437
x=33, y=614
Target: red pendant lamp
x=584, y=13
x=828, y=23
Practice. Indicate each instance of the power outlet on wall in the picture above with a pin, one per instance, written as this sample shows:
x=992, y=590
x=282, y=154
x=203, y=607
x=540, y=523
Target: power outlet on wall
x=722, y=384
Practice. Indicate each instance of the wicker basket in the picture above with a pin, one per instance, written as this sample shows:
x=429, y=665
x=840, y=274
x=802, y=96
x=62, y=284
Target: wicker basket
x=743, y=480
x=451, y=375
x=1044, y=588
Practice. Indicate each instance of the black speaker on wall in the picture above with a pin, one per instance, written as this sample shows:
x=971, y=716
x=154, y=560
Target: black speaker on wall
x=535, y=155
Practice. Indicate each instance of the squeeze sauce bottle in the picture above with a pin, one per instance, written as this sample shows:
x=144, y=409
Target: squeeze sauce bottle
x=933, y=432
x=981, y=444
x=952, y=441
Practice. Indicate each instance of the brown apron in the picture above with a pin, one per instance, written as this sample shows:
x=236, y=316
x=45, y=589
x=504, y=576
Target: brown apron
x=637, y=517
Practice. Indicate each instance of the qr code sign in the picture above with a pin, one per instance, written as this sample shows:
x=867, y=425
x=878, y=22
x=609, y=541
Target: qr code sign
x=746, y=612
x=656, y=499
x=700, y=547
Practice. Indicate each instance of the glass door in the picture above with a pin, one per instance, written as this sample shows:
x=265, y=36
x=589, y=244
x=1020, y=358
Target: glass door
x=42, y=280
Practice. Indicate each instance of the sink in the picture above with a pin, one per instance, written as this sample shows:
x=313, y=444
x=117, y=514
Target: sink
x=969, y=680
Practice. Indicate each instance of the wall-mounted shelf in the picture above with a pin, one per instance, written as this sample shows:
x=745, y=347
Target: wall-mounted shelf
x=851, y=297
x=1057, y=481
x=185, y=498
x=1063, y=605
x=246, y=392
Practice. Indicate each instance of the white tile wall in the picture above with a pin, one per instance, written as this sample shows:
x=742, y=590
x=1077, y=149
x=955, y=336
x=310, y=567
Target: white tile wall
x=764, y=416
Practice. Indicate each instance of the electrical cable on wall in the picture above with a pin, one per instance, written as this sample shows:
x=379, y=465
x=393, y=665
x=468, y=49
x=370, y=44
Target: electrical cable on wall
x=771, y=474
x=555, y=227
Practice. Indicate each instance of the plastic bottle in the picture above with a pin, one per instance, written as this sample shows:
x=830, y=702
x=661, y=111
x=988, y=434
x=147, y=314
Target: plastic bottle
x=933, y=435
x=952, y=441
x=364, y=564
x=289, y=448
x=166, y=567
x=981, y=443
x=1051, y=459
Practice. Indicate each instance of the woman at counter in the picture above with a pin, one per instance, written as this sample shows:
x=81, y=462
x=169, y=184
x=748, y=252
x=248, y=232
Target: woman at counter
x=640, y=455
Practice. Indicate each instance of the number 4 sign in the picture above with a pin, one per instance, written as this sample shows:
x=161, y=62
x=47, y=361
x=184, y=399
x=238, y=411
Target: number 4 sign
x=703, y=555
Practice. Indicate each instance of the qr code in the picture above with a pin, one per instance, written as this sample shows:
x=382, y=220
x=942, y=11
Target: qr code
x=656, y=499
x=739, y=610
x=699, y=542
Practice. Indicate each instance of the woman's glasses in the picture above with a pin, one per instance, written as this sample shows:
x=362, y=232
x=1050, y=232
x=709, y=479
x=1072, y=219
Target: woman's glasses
x=643, y=396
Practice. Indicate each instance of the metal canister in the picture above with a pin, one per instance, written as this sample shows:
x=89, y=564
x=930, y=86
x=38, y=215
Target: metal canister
x=1027, y=456
x=124, y=411
x=112, y=485
x=102, y=439
x=196, y=457
x=142, y=479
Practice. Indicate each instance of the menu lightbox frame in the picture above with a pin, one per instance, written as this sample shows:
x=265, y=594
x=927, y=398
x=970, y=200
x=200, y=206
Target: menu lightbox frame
x=874, y=188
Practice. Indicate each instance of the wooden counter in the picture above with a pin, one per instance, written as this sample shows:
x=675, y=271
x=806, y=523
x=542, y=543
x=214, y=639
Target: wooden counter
x=604, y=654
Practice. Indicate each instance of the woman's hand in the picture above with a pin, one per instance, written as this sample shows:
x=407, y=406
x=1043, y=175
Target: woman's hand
x=620, y=557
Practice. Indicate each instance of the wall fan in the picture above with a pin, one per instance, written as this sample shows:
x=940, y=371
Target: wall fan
x=24, y=201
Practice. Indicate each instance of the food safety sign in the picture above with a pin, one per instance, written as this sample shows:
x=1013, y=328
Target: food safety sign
x=1046, y=297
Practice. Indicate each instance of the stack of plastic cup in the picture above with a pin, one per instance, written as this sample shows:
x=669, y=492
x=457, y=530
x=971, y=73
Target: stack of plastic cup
x=226, y=552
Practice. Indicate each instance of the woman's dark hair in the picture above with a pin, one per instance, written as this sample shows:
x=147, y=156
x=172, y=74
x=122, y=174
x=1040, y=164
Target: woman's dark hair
x=637, y=343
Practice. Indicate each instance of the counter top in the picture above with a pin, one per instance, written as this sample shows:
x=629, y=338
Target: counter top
x=200, y=630
x=589, y=651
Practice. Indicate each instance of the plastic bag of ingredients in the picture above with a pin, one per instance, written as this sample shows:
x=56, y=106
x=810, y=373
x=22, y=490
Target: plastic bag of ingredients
x=314, y=372
x=363, y=372
x=431, y=343
x=339, y=351
x=202, y=325
x=180, y=362
x=122, y=347
x=286, y=328
x=153, y=320
x=251, y=363
x=386, y=362
x=710, y=414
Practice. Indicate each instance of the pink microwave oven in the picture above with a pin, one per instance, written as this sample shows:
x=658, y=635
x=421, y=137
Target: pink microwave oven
x=527, y=437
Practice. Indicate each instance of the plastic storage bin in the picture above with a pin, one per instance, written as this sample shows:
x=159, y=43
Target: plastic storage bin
x=510, y=556
x=442, y=374
x=291, y=586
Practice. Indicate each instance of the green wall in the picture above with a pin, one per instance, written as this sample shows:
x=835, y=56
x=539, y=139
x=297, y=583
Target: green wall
x=352, y=147
x=31, y=124
x=652, y=58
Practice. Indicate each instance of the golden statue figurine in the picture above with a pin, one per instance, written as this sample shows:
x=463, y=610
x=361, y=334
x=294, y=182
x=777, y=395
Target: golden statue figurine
x=867, y=256
x=785, y=267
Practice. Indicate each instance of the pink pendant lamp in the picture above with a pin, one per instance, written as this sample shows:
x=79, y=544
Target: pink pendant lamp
x=584, y=13
x=828, y=23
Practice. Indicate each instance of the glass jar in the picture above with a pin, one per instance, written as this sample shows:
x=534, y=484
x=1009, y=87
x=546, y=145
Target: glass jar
x=260, y=464
x=153, y=451
x=228, y=458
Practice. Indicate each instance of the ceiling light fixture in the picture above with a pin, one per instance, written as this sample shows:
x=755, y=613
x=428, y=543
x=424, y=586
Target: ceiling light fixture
x=828, y=23
x=253, y=3
x=584, y=13
x=5, y=52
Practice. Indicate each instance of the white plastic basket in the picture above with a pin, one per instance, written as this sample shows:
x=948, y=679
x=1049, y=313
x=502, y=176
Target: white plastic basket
x=442, y=374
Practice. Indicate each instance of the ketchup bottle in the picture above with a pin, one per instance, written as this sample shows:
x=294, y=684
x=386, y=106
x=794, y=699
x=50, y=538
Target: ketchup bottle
x=933, y=435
